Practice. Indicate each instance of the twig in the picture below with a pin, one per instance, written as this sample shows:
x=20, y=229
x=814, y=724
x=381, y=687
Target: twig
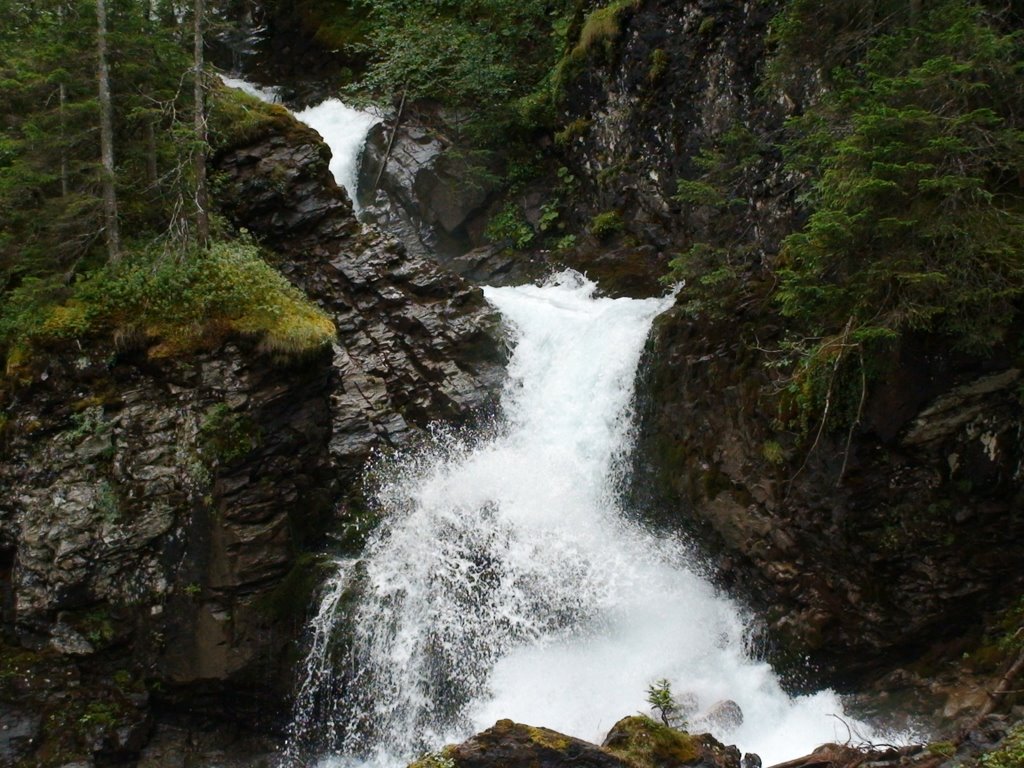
x=391, y=143
x=856, y=422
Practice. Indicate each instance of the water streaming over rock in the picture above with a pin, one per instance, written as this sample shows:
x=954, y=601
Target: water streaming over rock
x=505, y=579
x=344, y=129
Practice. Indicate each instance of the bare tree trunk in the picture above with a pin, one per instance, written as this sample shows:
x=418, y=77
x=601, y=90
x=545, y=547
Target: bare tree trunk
x=152, y=172
x=63, y=99
x=107, y=138
x=202, y=193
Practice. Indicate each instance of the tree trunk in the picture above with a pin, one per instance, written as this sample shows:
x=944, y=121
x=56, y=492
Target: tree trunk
x=152, y=172
x=107, y=138
x=202, y=193
x=63, y=99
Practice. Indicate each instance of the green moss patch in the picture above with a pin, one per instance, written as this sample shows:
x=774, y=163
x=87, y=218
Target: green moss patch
x=645, y=743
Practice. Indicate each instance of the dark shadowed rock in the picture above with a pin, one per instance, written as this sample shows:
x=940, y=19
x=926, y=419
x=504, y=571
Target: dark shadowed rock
x=514, y=745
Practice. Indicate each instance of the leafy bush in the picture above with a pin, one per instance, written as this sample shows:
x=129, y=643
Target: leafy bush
x=510, y=227
x=606, y=224
x=1010, y=753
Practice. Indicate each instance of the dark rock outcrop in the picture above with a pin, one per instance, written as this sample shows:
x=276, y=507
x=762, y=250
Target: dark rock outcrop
x=413, y=183
x=633, y=742
x=160, y=518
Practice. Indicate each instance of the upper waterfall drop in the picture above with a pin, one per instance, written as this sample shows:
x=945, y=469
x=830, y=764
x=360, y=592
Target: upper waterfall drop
x=344, y=130
x=505, y=579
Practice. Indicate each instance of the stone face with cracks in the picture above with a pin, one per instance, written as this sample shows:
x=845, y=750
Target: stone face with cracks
x=133, y=541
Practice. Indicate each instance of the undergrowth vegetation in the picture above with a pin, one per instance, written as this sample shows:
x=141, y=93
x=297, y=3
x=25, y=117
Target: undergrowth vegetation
x=910, y=160
x=917, y=219
x=171, y=303
x=165, y=290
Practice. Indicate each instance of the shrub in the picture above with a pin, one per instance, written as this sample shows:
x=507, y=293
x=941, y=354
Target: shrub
x=918, y=207
x=605, y=225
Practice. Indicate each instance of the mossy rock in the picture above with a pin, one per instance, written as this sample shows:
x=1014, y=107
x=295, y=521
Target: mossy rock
x=238, y=119
x=514, y=745
x=645, y=743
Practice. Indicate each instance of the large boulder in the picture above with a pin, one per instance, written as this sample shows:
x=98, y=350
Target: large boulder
x=633, y=742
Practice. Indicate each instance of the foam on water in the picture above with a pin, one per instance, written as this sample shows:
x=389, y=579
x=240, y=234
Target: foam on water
x=506, y=581
x=269, y=95
x=344, y=129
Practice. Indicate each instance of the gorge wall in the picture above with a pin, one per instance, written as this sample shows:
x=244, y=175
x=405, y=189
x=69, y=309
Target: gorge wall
x=160, y=515
x=864, y=549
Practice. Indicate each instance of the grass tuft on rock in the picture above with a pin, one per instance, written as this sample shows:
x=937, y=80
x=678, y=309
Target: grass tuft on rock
x=169, y=303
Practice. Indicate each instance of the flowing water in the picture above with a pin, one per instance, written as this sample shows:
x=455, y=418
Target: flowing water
x=506, y=580
x=344, y=129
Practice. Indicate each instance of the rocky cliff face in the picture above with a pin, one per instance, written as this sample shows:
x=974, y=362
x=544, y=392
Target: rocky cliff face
x=862, y=549
x=161, y=517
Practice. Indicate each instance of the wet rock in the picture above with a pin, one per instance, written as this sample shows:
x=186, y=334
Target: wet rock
x=513, y=745
x=643, y=741
x=19, y=731
x=724, y=715
x=426, y=193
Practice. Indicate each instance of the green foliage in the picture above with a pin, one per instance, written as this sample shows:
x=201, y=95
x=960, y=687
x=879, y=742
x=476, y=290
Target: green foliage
x=659, y=65
x=606, y=225
x=49, y=153
x=483, y=60
x=510, y=227
x=713, y=267
x=1010, y=753
x=698, y=193
x=55, y=286
x=172, y=302
x=918, y=209
x=228, y=436
x=659, y=696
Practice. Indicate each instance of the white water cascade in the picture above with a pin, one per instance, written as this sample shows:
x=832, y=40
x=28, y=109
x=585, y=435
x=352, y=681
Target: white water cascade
x=505, y=579
x=344, y=129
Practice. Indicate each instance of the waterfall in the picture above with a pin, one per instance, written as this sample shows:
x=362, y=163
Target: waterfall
x=344, y=129
x=506, y=580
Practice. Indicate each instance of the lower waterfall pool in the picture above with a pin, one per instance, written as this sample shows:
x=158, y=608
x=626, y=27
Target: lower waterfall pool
x=506, y=580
